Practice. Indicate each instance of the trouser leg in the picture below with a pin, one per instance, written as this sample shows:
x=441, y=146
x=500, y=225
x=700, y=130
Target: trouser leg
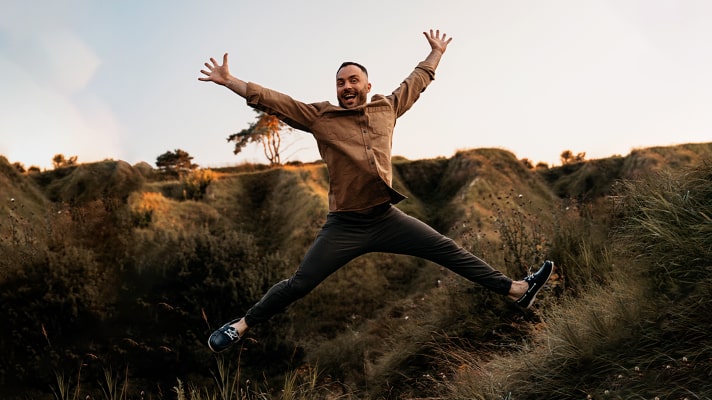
x=346, y=236
x=403, y=234
x=335, y=245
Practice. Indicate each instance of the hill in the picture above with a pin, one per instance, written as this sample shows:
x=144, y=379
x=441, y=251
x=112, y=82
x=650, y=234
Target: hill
x=108, y=265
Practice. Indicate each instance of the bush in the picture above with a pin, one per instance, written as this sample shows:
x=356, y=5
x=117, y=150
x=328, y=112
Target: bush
x=196, y=182
x=641, y=331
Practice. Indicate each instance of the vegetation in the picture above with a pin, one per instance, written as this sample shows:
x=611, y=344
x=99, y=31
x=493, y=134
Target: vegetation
x=639, y=331
x=111, y=280
x=267, y=131
x=175, y=162
x=60, y=161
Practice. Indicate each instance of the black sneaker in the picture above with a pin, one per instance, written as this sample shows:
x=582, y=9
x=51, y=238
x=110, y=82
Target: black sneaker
x=536, y=282
x=224, y=337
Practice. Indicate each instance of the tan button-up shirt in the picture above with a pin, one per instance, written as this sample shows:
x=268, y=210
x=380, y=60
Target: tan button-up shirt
x=354, y=143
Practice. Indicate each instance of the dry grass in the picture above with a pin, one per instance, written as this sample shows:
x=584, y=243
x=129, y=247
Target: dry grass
x=625, y=318
x=638, y=334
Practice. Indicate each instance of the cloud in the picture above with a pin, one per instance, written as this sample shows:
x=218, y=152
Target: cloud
x=46, y=107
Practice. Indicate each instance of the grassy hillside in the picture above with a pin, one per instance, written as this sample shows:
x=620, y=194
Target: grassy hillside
x=109, y=267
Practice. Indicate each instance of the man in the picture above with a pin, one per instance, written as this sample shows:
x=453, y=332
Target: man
x=354, y=140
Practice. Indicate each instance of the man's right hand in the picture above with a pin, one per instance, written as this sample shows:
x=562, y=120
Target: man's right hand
x=220, y=74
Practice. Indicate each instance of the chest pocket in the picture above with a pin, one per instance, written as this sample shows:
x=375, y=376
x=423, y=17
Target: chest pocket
x=381, y=120
x=336, y=128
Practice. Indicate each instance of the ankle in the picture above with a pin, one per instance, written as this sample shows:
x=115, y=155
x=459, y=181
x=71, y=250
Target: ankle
x=240, y=326
x=518, y=289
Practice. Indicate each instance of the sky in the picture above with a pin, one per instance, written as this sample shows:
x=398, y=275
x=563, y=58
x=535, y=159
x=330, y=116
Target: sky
x=118, y=79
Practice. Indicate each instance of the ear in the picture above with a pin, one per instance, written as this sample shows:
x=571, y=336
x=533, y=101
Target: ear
x=368, y=87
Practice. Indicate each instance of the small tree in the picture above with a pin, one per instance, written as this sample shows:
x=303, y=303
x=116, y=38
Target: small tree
x=176, y=161
x=568, y=157
x=20, y=167
x=266, y=131
x=59, y=161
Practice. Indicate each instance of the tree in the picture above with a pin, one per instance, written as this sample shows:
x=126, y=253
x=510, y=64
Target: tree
x=20, y=167
x=59, y=161
x=568, y=157
x=176, y=161
x=266, y=131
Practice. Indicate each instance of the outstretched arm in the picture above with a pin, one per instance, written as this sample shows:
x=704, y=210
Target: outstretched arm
x=220, y=74
x=438, y=45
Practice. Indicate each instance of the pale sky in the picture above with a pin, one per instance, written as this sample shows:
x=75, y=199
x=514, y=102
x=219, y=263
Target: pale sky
x=118, y=79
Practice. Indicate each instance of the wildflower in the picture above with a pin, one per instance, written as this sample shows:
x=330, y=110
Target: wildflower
x=684, y=359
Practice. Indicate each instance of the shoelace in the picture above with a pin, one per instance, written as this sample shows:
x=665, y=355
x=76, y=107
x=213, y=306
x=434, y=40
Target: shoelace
x=232, y=334
x=530, y=274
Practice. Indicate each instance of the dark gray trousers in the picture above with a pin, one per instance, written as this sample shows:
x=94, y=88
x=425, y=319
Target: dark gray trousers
x=347, y=235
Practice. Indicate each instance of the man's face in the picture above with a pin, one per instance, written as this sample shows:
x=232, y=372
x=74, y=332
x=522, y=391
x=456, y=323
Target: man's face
x=351, y=86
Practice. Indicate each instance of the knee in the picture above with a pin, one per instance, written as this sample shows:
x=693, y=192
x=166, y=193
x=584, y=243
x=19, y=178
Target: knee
x=300, y=287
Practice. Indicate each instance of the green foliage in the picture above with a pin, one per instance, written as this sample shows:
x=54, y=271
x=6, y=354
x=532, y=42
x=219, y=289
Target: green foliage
x=175, y=162
x=59, y=161
x=103, y=270
x=195, y=184
x=522, y=234
x=90, y=182
x=669, y=222
x=638, y=331
x=267, y=131
x=568, y=157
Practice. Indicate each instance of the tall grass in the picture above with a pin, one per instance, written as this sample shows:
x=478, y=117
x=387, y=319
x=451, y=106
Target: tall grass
x=384, y=327
x=640, y=332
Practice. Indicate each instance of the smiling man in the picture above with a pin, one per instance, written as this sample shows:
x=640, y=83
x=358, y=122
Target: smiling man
x=354, y=140
x=352, y=84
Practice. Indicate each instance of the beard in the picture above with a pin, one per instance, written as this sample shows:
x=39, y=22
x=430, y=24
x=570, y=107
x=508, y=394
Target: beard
x=360, y=98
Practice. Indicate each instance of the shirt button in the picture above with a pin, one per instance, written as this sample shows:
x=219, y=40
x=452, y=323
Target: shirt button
x=363, y=131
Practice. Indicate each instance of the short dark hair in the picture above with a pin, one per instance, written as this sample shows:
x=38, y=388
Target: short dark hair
x=347, y=63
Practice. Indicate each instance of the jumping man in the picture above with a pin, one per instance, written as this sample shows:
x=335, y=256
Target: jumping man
x=354, y=140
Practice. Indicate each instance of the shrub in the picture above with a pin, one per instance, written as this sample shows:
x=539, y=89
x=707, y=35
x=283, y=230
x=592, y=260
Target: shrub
x=196, y=182
x=641, y=331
